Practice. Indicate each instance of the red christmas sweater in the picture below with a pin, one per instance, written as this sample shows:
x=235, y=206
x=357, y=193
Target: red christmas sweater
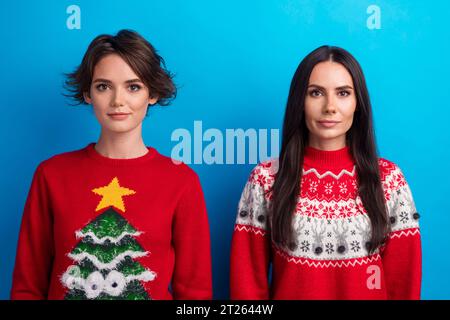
x=100, y=228
x=329, y=259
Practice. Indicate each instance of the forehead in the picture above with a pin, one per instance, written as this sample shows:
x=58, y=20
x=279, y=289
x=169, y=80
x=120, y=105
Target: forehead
x=113, y=67
x=330, y=74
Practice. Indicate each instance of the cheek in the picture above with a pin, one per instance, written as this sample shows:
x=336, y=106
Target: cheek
x=312, y=112
x=99, y=107
x=309, y=122
x=347, y=114
x=139, y=107
x=100, y=102
x=140, y=115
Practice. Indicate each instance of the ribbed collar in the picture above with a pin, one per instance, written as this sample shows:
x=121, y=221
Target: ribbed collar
x=92, y=153
x=335, y=159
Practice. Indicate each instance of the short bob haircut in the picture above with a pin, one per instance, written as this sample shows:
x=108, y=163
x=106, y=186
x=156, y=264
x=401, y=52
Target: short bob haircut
x=140, y=55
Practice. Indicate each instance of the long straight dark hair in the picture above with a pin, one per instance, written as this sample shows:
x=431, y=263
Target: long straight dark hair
x=360, y=139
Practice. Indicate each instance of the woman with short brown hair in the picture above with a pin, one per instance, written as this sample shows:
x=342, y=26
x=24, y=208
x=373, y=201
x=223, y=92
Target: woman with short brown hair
x=116, y=219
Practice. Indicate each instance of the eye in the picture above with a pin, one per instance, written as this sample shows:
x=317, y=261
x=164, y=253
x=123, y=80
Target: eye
x=344, y=93
x=101, y=87
x=315, y=93
x=135, y=87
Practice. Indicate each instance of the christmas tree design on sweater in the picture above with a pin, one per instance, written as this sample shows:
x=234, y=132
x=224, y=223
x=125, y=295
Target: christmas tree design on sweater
x=105, y=259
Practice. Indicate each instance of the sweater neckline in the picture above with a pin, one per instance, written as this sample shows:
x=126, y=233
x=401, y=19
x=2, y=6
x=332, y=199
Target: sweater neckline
x=335, y=159
x=94, y=154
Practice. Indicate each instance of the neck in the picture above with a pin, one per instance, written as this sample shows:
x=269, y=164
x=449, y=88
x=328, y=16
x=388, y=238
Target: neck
x=123, y=145
x=328, y=159
x=327, y=144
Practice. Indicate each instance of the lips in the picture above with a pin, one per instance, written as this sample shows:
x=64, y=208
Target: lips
x=328, y=123
x=118, y=115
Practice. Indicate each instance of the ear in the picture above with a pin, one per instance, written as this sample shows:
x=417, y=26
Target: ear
x=87, y=97
x=152, y=100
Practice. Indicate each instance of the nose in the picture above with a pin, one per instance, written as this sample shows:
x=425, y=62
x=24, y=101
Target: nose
x=117, y=99
x=329, y=107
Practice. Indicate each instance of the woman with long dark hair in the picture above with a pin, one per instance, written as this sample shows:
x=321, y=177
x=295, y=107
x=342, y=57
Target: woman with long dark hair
x=333, y=219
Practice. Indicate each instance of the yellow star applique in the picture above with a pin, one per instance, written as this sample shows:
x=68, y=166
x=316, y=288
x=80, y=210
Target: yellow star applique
x=112, y=195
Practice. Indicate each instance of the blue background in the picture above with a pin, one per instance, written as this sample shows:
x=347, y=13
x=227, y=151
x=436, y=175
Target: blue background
x=233, y=62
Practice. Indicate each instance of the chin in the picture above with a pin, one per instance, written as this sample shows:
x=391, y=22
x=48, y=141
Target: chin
x=119, y=128
x=328, y=135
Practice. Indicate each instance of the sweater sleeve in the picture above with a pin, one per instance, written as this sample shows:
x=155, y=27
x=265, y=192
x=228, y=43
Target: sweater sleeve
x=35, y=249
x=250, y=246
x=192, y=278
x=402, y=255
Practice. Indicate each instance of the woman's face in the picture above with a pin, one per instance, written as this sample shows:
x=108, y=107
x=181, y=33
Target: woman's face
x=329, y=105
x=119, y=98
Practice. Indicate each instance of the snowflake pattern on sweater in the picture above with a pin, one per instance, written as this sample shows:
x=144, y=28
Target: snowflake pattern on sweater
x=330, y=221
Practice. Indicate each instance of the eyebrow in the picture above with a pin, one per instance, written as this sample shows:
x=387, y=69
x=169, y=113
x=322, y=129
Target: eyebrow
x=338, y=88
x=109, y=81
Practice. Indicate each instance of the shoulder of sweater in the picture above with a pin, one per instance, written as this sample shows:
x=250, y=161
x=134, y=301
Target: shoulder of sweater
x=62, y=159
x=392, y=177
x=263, y=174
x=388, y=169
x=268, y=167
x=174, y=166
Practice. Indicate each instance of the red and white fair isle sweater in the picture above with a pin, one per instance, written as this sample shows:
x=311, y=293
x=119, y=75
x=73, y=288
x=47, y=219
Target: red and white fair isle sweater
x=100, y=228
x=329, y=259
